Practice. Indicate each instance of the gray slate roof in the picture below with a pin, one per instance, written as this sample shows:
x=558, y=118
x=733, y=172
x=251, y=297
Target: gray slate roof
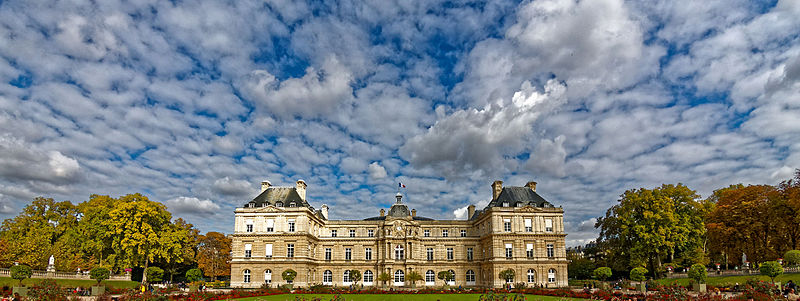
x=516, y=196
x=274, y=195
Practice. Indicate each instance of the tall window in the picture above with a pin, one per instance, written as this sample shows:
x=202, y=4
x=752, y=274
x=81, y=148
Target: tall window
x=528, y=225
x=248, y=250
x=246, y=276
x=399, y=276
x=551, y=276
x=469, y=254
x=291, y=225
x=548, y=225
x=509, y=251
x=367, y=276
x=430, y=253
x=531, y=275
x=333, y=233
x=470, y=277
x=430, y=277
x=328, y=254
x=449, y=253
x=268, y=276
x=507, y=225
x=444, y=233
x=529, y=250
x=270, y=225
x=427, y=233
x=550, y=252
x=399, y=252
x=348, y=253
x=368, y=253
x=327, y=277
x=463, y=233
x=249, y=227
x=290, y=250
x=452, y=280
x=346, y=276
x=352, y=233
x=268, y=251
x=370, y=233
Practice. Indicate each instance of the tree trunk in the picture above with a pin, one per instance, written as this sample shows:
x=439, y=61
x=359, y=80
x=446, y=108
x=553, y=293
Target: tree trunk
x=144, y=273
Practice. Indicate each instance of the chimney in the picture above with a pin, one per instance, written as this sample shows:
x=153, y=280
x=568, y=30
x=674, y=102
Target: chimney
x=497, y=187
x=264, y=185
x=383, y=212
x=324, y=211
x=470, y=211
x=531, y=185
x=413, y=212
x=301, y=189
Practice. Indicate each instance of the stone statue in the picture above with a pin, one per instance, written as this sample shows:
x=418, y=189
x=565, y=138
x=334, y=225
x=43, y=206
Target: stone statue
x=51, y=264
x=52, y=260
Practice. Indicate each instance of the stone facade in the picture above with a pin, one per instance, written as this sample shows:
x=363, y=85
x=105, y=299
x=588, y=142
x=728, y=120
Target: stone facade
x=278, y=230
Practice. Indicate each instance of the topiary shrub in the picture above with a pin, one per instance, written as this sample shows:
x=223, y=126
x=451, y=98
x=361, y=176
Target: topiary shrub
x=507, y=275
x=193, y=275
x=21, y=272
x=698, y=273
x=792, y=258
x=289, y=275
x=99, y=274
x=602, y=273
x=771, y=269
x=154, y=274
x=637, y=274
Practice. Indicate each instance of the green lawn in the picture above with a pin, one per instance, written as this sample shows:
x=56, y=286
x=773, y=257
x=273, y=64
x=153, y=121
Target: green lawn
x=388, y=297
x=7, y=281
x=731, y=280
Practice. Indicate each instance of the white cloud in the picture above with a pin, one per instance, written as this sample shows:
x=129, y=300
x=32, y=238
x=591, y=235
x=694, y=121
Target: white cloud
x=192, y=205
x=233, y=187
x=461, y=213
x=23, y=161
x=376, y=171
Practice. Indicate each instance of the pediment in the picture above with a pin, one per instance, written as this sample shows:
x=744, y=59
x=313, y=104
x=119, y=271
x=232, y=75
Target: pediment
x=270, y=209
x=529, y=208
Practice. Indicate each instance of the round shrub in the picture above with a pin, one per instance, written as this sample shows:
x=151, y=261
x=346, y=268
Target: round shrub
x=602, y=273
x=637, y=274
x=698, y=273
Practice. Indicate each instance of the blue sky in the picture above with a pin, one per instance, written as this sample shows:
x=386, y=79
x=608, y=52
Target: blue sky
x=194, y=103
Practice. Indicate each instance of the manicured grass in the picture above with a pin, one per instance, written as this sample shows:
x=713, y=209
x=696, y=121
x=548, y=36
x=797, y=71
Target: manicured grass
x=393, y=297
x=732, y=280
x=7, y=281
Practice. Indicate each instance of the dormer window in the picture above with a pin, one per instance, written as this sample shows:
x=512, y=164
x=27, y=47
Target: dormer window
x=519, y=204
x=279, y=204
x=292, y=204
x=251, y=205
x=505, y=204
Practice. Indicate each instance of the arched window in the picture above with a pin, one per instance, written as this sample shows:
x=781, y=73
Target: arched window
x=279, y=204
x=268, y=276
x=531, y=275
x=399, y=252
x=430, y=277
x=246, y=276
x=368, y=277
x=399, y=277
x=327, y=277
x=470, y=277
x=452, y=281
x=551, y=276
x=346, y=277
x=292, y=204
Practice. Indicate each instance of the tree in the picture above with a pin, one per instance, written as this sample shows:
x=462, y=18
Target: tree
x=445, y=276
x=138, y=227
x=383, y=277
x=289, y=275
x=5, y=254
x=194, y=275
x=21, y=272
x=698, y=273
x=214, y=254
x=93, y=230
x=355, y=276
x=99, y=274
x=792, y=257
x=771, y=269
x=649, y=226
x=602, y=273
x=740, y=223
x=637, y=274
x=580, y=268
x=413, y=277
x=507, y=275
x=178, y=247
x=154, y=274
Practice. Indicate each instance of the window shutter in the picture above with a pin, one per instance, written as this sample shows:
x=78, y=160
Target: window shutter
x=248, y=247
x=270, y=223
x=527, y=222
x=529, y=247
x=508, y=246
x=506, y=220
x=268, y=250
x=548, y=223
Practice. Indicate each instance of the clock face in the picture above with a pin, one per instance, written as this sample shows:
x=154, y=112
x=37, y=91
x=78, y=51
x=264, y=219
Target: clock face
x=399, y=228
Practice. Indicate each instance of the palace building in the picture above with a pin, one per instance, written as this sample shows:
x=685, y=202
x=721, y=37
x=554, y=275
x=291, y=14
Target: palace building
x=280, y=230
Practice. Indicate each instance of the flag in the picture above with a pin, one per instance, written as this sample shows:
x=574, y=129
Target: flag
x=400, y=185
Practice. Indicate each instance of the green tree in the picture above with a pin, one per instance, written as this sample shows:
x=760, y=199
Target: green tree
x=413, y=277
x=445, y=276
x=507, y=275
x=649, y=226
x=355, y=276
x=99, y=274
x=21, y=272
x=138, y=226
x=771, y=269
x=383, y=277
x=698, y=273
x=602, y=273
x=581, y=268
x=792, y=257
x=637, y=274
x=194, y=275
x=154, y=274
x=214, y=254
x=94, y=232
x=178, y=247
x=289, y=275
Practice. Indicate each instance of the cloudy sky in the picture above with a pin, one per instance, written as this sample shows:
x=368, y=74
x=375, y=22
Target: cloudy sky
x=194, y=103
